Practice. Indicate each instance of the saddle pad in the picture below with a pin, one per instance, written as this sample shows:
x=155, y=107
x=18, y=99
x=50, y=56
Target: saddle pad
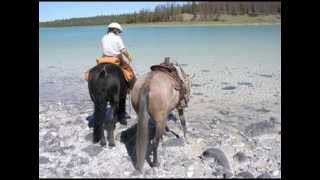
x=105, y=59
x=126, y=69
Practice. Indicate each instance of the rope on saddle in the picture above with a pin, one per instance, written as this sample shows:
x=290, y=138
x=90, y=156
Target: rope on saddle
x=171, y=70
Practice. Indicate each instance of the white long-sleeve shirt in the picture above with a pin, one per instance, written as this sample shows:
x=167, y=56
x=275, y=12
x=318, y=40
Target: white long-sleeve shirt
x=111, y=44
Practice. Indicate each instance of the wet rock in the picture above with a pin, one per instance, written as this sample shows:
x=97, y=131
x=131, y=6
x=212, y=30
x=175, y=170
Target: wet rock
x=53, y=145
x=220, y=172
x=245, y=174
x=49, y=82
x=274, y=120
x=224, y=112
x=266, y=75
x=260, y=128
x=195, y=85
x=174, y=142
x=205, y=70
x=69, y=122
x=197, y=94
x=92, y=150
x=43, y=160
x=215, y=120
x=245, y=84
x=218, y=155
x=229, y=88
x=50, y=135
x=263, y=110
x=240, y=157
x=265, y=175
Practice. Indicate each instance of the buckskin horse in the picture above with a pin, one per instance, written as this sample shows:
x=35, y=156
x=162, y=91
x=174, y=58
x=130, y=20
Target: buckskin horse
x=154, y=96
x=107, y=84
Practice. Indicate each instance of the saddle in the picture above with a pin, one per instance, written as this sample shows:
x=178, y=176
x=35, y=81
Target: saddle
x=126, y=69
x=171, y=70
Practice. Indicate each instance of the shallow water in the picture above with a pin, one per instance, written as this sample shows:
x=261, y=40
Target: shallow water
x=65, y=53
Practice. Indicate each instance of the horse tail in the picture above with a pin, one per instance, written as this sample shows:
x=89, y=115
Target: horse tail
x=142, y=128
x=91, y=78
x=94, y=75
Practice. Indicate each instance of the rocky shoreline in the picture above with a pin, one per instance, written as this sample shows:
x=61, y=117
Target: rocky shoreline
x=233, y=124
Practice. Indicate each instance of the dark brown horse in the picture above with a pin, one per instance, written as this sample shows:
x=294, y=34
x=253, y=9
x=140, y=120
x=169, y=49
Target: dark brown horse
x=153, y=97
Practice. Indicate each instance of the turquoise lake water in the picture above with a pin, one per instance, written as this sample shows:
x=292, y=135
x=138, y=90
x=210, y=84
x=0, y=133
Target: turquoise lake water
x=66, y=53
x=77, y=47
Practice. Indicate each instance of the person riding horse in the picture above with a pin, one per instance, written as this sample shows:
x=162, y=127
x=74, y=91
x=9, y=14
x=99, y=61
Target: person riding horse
x=108, y=84
x=113, y=46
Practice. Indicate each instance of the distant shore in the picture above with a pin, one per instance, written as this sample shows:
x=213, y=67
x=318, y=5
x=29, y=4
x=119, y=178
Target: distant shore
x=226, y=20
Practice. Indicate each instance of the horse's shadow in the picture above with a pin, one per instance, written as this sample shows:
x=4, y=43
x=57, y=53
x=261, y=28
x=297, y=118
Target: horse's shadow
x=128, y=136
x=109, y=116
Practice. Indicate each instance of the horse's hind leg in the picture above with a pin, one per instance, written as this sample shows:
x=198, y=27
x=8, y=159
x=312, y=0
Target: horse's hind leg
x=169, y=130
x=98, y=130
x=183, y=124
x=148, y=154
x=160, y=127
x=122, y=109
x=111, y=125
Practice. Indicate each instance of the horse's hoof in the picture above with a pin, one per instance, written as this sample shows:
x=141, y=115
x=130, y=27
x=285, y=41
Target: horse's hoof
x=95, y=140
x=155, y=164
x=112, y=144
x=103, y=143
x=127, y=116
x=123, y=122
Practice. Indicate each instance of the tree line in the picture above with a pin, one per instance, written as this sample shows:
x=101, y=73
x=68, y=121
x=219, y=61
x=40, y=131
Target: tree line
x=175, y=12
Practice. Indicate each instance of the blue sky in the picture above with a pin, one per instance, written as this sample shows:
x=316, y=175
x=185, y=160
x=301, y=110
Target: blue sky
x=49, y=11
